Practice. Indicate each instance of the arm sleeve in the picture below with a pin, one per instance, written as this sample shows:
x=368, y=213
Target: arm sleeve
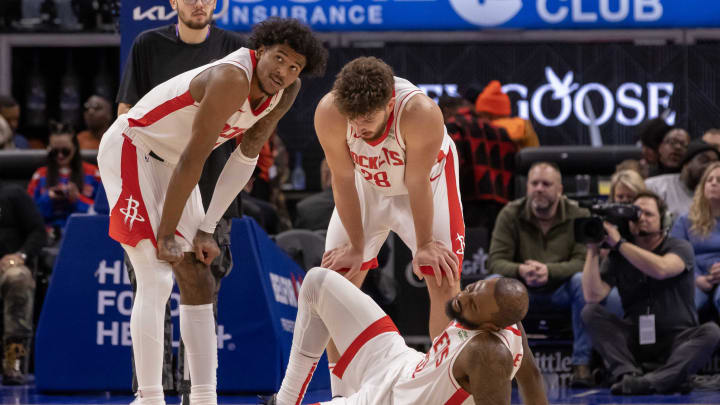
x=32, y=224
x=502, y=247
x=233, y=178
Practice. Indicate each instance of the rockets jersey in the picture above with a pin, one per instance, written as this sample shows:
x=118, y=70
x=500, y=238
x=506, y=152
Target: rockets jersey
x=382, y=162
x=432, y=380
x=162, y=120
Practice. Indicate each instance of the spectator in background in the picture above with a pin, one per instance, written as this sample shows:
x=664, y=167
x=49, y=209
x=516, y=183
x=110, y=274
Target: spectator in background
x=314, y=212
x=10, y=111
x=702, y=229
x=658, y=344
x=677, y=189
x=671, y=151
x=534, y=241
x=638, y=166
x=22, y=235
x=625, y=185
x=712, y=136
x=98, y=116
x=67, y=185
x=494, y=105
x=486, y=159
x=651, y=133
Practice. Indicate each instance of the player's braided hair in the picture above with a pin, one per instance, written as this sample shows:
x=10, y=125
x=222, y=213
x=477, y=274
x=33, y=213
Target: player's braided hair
x=363, y=86
x=297, y=36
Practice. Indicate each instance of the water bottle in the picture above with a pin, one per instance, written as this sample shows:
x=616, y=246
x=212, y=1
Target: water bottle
x=298, y=174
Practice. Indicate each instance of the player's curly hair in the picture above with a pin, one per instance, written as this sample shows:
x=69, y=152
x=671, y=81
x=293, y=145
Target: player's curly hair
x=297, y=36
x=363, y=86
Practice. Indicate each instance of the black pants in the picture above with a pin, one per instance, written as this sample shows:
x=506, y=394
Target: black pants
x=672, y=359
x=177, y=379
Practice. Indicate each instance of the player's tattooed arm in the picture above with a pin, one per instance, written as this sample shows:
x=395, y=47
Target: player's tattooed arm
x=483, y=369
x=257, y=135
x=528, y=376
x=220, y=91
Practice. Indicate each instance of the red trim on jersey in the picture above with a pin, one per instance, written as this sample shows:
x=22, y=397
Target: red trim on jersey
x=388, y=125
x=400, y=106
x=516, y=332
x=163, y=110
x=382, y=325
x=457, y=225
x=458, y=397
x=129, y=224
x=368, y=265
x=265, y=103
x=305, y=384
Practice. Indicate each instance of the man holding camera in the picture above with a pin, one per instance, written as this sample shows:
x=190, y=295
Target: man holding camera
x=533, y=241
x=659, y=343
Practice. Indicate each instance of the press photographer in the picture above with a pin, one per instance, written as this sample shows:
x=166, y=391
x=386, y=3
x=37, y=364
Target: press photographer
x=658, y=344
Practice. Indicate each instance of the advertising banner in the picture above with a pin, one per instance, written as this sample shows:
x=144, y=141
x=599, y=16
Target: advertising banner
x=83, y=339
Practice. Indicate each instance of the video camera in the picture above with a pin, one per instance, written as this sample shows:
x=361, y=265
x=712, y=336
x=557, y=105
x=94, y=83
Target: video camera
x=591, y=230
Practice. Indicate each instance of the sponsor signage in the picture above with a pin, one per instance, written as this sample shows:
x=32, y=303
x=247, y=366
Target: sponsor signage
x=91, y=350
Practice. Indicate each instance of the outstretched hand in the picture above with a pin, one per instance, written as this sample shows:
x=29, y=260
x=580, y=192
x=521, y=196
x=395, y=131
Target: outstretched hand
x=206, y=250
x=440, y=258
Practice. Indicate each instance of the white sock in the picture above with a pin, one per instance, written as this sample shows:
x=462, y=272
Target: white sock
x=309, y=340
x=197, y=326
x=299, y=372
x=151, y=396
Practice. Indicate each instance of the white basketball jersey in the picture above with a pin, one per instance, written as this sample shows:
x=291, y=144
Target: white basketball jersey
x=382, y=161
x=162, y=120
x=432, y=381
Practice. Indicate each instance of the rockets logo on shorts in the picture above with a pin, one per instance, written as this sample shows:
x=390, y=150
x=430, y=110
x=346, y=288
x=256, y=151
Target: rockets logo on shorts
x=131, y=212
x=461, y=241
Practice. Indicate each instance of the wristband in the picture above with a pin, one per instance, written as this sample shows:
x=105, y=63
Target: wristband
x=618, y=244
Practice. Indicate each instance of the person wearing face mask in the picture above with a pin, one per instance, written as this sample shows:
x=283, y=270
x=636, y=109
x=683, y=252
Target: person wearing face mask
x=472, y=361
x=67, y=185
x=534, y=241
x=677, y=189
x=658, y=344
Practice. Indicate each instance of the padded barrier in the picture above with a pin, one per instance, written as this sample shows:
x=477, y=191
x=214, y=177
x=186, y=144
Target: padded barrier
x=83, y=338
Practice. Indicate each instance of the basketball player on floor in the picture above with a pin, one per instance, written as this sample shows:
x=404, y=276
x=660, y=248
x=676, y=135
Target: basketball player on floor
x=473, y=361
x=393, y=168
x=150, y=162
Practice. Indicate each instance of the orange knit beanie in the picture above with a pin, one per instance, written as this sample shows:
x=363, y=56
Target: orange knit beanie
x=493, y=100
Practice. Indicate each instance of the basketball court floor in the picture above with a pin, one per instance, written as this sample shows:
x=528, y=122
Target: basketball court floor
x=27, y=395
